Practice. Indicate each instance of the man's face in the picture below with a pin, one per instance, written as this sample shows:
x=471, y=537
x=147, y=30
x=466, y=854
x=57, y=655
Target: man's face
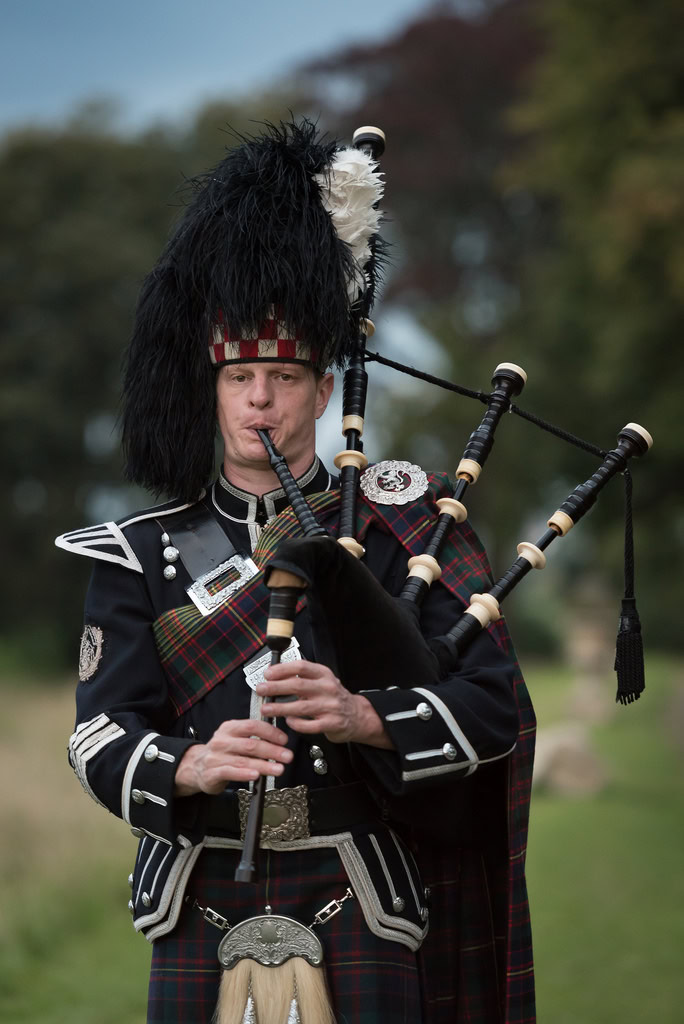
x=285, y=398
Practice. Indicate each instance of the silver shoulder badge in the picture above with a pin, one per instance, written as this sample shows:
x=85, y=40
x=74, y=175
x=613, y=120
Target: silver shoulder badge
x=394, y=483
x=91, y=652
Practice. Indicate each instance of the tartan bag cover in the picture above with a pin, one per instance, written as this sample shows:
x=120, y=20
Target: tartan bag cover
x=198, y=652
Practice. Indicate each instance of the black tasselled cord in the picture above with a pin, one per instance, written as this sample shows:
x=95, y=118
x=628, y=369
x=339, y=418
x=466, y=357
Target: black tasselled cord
x=629, y=648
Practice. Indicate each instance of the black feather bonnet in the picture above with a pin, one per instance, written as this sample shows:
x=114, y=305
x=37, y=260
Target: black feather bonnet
x=258, y=235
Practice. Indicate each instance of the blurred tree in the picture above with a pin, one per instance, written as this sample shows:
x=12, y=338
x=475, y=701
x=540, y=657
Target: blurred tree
x=84, y=213
x=80, y=219
x=441, y=90
x=604, y=121
x=551, y=236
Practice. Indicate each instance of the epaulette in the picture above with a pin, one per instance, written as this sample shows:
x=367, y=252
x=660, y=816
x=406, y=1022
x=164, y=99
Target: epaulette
x=107, y=542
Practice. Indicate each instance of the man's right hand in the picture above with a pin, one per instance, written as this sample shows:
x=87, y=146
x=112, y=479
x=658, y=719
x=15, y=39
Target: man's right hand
x=239, y=751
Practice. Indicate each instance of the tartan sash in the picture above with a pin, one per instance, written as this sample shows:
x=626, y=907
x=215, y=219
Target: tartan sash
x=198, y=652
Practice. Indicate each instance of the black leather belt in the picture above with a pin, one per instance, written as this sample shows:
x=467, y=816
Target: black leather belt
x=294, y=813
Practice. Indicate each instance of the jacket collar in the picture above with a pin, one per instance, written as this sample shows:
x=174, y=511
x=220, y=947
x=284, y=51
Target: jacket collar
x=243, y=507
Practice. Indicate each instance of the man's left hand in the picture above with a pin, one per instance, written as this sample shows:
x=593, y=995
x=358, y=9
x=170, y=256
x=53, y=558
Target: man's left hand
x=321, y=705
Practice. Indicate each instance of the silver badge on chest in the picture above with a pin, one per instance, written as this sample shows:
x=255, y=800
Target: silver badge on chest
x=394, y=483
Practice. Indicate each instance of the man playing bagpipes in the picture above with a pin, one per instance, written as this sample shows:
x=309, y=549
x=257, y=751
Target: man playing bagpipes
x=391, y=864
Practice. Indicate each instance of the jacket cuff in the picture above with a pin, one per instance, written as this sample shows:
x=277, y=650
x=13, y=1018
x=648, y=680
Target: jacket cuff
x=428, y=741
x=147, y=798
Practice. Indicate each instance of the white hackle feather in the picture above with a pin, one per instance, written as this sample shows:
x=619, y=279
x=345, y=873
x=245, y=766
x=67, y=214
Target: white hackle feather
x=351, y=188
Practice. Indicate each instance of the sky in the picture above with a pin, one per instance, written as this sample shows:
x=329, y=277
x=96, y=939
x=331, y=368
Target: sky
x=163, y=58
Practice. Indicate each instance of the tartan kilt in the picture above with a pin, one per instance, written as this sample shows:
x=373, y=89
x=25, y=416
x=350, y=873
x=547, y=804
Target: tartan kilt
x=462, y=963
x=371, y=980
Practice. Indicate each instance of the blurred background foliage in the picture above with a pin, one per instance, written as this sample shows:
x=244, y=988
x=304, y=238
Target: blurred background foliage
x=534, y=201
x=535, y=208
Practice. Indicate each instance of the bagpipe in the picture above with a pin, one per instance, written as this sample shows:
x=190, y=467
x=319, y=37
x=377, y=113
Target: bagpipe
x=276, y=258
x=317, y=562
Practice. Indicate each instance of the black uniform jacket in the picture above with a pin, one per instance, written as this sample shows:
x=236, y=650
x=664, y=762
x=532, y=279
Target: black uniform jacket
x=129, y=739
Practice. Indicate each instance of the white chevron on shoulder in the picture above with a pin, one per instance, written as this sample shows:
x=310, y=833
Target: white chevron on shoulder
x=104, y=541
x=107, y=542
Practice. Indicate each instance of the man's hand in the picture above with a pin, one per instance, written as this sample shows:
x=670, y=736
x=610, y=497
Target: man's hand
x=322, y=704
x=239, y=751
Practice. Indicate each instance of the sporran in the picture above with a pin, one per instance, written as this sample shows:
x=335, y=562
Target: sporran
x=272, y=969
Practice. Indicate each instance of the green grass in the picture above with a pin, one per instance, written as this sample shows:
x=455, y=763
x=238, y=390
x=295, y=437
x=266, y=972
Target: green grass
x=79, y=962
x=605, y=872
x=68, y=951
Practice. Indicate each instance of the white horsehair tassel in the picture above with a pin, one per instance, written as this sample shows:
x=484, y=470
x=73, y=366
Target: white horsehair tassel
x=293, y=993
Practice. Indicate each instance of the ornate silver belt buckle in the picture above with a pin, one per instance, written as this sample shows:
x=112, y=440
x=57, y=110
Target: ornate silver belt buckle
x=208, y=600
x=285, y=817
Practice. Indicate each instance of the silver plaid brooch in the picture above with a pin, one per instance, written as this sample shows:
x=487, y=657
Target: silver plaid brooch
x=394, y=483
